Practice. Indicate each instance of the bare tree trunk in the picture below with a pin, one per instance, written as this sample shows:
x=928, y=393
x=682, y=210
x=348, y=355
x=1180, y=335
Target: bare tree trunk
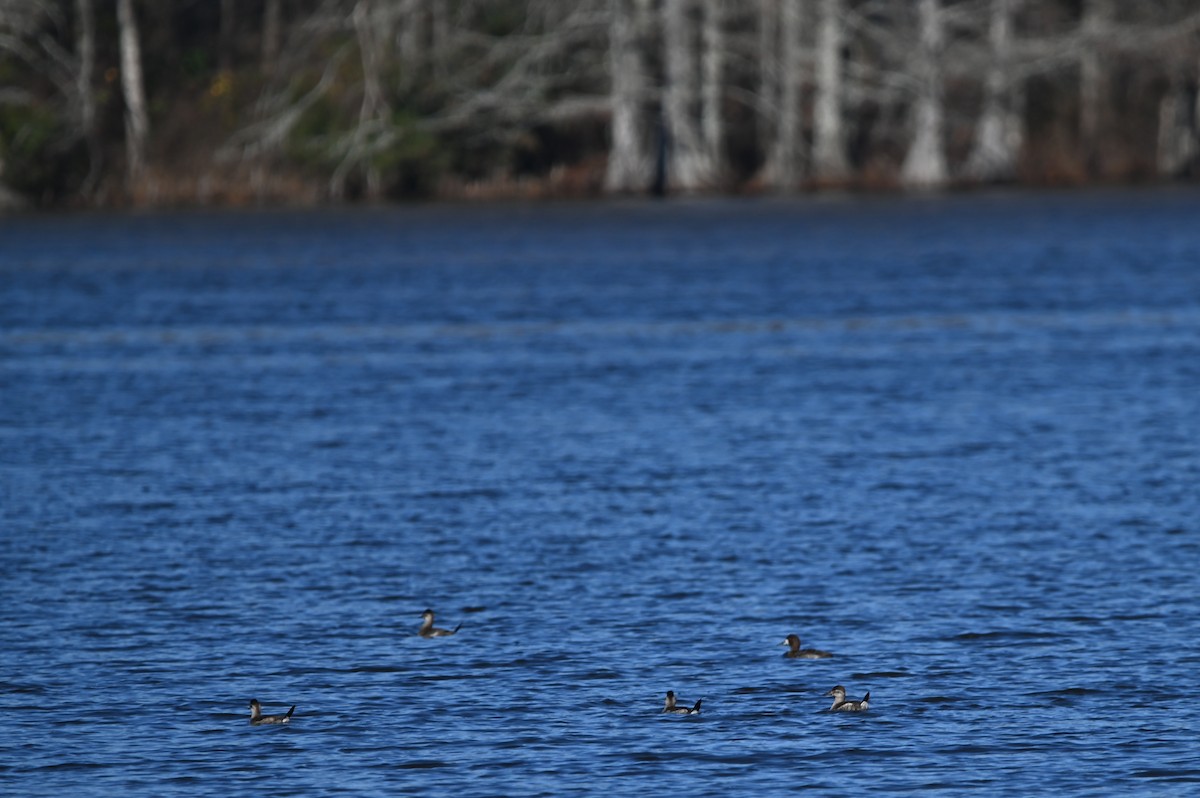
x=829, y=144
x=628, y=158
x=1093, y=82
x=1178, y=120
x=372, y=29
x=137, y=125
x=272, y=34
x=1195, y=123
x=925, y=164
x=362, y=146
x=998, y=134
x=712, y=124
x=85, y=47
x=688, y=169
x=785, y=166
x=410, y=41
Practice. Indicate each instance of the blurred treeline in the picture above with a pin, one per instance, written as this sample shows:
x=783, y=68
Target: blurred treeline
x=108, y=102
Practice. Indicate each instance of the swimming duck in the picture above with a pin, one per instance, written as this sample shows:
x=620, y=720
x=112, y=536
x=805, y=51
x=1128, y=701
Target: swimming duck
x=257, y=718
x=840, y=704
x=795, y=652
x=429, y=630
x=680, y=710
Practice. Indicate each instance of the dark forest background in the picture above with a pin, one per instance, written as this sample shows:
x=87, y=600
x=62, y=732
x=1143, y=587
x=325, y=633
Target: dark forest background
x=185, y=102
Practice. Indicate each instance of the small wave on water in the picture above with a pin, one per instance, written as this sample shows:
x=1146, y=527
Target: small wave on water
x=1005, y=636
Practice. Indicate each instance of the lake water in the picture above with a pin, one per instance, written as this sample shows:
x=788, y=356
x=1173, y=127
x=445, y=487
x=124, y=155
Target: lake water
x=629, y=447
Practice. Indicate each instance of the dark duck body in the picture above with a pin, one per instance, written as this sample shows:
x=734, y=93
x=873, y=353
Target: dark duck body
x=840, y=704
x=429, y=630
x=795, y=652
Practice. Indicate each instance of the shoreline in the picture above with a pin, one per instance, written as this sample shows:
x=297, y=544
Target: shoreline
x=535, y=194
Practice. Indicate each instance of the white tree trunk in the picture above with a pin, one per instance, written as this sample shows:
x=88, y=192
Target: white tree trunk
x=688, y=167
x=829, y=143
x=137, y=124
x=1194, y=124
x=411, y=42
x=370, y=28
x=998, y=134
x=925, y=165
x=712, y=123
x=85, y=49
x=1178, y=142
x=785, y=165
x=628, y=158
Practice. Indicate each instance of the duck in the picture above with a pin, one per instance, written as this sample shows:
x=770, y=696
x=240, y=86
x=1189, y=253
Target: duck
x=429, y=630
x=840, y=704
x=257, y=718
x=674, y=709
x=795, y=652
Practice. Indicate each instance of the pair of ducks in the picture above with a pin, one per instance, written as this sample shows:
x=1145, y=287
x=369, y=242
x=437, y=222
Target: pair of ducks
x=257, y=718
x=840, y=704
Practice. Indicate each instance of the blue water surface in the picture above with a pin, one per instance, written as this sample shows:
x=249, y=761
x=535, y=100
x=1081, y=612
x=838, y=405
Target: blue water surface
x=630, y=447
